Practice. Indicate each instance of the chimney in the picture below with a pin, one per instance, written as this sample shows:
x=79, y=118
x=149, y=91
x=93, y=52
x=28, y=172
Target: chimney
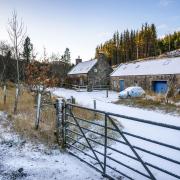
x=101, y=55
x=78, y=60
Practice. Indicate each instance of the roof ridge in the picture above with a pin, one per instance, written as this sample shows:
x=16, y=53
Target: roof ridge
x=83, y=67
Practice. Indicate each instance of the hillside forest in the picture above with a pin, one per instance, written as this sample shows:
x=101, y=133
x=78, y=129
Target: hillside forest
x=136, y=44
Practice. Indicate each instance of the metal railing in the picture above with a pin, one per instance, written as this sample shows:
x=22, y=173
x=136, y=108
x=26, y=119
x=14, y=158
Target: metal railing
x=74, y=129
x=101, y=87
x=79, y=88
x=93, y=87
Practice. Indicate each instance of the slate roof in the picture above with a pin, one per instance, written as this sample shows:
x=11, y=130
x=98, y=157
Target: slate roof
x=149, y=67
x=83, y=67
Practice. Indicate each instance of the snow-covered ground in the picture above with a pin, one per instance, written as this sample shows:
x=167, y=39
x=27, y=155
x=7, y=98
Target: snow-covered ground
x=164, y=135
x=85, y=98
x=20, y=159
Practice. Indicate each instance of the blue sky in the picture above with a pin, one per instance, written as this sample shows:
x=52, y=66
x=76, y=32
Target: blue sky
x=83, y=24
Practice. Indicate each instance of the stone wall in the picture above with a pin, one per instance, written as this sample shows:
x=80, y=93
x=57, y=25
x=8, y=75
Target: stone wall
x=99, y=74
x=146, y=82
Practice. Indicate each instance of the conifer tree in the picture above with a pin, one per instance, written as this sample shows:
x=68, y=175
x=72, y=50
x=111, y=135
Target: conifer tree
x=28, y=47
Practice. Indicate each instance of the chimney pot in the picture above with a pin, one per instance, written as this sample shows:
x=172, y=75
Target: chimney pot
x=78, y=60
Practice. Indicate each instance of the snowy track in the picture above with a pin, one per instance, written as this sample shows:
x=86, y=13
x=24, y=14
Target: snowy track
x=22, y=160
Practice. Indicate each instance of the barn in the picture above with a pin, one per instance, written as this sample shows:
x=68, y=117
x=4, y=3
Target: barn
x=90, y=73
x=157, y=75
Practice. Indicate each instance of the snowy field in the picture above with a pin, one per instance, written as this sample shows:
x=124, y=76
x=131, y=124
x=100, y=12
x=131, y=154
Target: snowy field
x=164, y=135
x=22, y=160
x=86, y=99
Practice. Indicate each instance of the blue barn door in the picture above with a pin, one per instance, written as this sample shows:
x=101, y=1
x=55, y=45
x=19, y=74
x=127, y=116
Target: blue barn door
x=160, y=86
x=121, y=83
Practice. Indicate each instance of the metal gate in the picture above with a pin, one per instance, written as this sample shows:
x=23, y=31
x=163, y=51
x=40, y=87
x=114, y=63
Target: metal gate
x=91, y=136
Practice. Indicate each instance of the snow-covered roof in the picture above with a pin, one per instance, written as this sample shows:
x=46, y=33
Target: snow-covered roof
x=149, y=67
x=83, y=67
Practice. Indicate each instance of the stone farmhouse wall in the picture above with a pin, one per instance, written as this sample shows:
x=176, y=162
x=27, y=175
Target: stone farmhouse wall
x=99, y=74
x=145, y=81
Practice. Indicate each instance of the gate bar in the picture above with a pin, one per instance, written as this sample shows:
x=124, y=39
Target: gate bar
x=137, y=155
x=135, y=147
x=86, y=139
x=129, y=118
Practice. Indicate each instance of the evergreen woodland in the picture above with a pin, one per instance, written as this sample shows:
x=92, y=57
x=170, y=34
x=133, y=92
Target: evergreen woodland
x=131, y=44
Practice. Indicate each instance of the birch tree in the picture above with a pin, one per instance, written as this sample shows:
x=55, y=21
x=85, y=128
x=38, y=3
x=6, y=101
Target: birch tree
x=16, y=33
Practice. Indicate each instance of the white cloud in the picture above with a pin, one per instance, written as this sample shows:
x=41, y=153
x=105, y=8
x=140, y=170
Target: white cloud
x=178, y=28
x=104, y=34
x=162, y=26
x=165, y=3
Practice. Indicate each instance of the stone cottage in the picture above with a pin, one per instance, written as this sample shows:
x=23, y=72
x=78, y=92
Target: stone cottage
x=156, y=75
x=90, y=73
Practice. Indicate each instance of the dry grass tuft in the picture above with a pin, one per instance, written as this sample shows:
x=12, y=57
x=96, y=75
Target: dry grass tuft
x=9, y=100
x=24, y=121
x=151, y=104
x=24, y=124
x=86, y=114
x=177, y=98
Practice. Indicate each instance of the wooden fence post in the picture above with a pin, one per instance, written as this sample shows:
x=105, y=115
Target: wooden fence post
x=73, y=100
x=107, y=93
x=38, y=110
x=94, y=102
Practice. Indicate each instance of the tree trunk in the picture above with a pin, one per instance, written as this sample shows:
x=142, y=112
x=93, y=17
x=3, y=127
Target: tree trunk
x=16, y=98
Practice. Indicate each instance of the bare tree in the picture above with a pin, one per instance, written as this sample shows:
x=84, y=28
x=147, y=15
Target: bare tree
x=17, y=35
x=5, y=51
x=4, y=48
x=34, y=54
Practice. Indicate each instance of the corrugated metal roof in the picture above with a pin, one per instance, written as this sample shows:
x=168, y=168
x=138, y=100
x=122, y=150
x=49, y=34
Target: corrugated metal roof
x=149, y=67
x=83, y=68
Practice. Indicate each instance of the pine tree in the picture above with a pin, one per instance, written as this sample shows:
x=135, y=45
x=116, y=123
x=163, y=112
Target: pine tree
x=131, y=45
x=28, y=47
x=67, y=57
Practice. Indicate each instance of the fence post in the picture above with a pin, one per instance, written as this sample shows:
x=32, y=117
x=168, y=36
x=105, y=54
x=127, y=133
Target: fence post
x=106, y=92
x=73, y=101
x=4, y=93
x=38, y=110
x=16, y=98
x=105, y=144
x=60, y=123
x=94, y=102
